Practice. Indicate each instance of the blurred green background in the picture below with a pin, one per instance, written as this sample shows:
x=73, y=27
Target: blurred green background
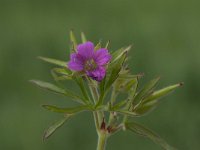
x=166, y=39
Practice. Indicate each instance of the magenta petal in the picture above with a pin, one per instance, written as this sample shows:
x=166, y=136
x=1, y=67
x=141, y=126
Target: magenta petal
x=102, y=56
x=75, y=66
x=98, y=74
x=86, y=50
x=75, y=63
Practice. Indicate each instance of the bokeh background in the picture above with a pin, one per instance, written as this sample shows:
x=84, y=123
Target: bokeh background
x=166, y=39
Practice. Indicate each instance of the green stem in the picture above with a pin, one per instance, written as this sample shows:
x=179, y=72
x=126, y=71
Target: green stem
x=98, y=116
x=96, y=121
x=101, y=141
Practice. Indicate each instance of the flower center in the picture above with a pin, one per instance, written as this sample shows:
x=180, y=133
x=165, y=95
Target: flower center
x=90, y=65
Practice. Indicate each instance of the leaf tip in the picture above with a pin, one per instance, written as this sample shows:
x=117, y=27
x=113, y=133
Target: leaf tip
x=44, y=137
x=31, y=81
x=39, y=57
x=71, y=30
x=181, y=83
x=46, y=107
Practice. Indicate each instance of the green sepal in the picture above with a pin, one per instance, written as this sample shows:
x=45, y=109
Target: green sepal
x=55, y=126
x=73, y=41
x=98, y=46
x=142, y=131
x=107, y=44
x=83, y=37
x=54, y=61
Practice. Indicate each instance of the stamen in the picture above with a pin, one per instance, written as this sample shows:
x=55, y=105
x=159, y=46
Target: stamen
x=90, y=65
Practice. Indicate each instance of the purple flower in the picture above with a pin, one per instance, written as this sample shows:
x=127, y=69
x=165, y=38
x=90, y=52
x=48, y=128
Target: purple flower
x=88, y=60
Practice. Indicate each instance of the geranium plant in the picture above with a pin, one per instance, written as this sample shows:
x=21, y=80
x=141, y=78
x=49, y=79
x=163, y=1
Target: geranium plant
x=103, y=75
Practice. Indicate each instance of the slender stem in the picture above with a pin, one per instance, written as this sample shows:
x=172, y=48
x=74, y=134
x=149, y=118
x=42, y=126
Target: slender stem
x=96, y=121
x=101, y=141
x=98, y=117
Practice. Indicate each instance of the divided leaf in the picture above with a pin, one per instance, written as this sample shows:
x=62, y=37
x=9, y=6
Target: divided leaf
x=142, y=131
x=54, y=127
x=150, y=102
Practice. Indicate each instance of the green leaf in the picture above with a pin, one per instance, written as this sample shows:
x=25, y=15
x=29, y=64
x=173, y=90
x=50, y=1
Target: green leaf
x=142, y=131
x=125, y=112
x=56, y=89
x=119, y=105
x=61, y=74
x=115, y=71
x=150, y=102
x=83, y=37
x=62, y=71
x=54, y=61
x=129, y=85
x=117, y=54
x=67, y=110
x=133, y=90
x=80, y=83
x=145, y=91
x=145, y=108
x=48, y=86
x=111, y=79
x=160, y=93
x=54, y=127
x=129, y=76
x=102, y=86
